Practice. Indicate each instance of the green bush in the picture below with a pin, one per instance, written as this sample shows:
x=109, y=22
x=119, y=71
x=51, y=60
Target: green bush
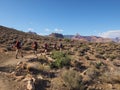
x=61, y=59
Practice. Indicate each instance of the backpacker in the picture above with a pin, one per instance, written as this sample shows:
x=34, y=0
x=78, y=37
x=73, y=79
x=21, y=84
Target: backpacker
x=34, y=45
x=18, y=44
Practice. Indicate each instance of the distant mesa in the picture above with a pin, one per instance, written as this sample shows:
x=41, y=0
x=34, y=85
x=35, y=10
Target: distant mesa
x=91, y=38
x=31, y=32
x=56, y=35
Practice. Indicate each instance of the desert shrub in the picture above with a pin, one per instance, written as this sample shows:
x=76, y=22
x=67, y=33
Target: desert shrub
x=43, y=67
x=67, y=40
x=68, y=52
x=73, y=80
x=61, y=59
x=2, y=41
x=57, y=54
x=111, y=76
x=92, y=73
x=111, y=57
x=99, y=56
x=99, y=64
x=57, y=84
x=75, y=49
x=9, y=48
x=82, y=50
x=87, y=57
x=27, y=48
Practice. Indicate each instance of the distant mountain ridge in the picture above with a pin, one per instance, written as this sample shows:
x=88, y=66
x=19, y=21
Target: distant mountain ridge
x=84, y=38
x=68, y=36
x=11, y=33
x=117, y=39
x=88, y=38
x=91, y=38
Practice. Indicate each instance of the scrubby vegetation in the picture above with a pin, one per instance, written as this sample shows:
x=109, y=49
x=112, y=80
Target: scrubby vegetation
x=61, y=59
x=73, y=80
x=80, y=65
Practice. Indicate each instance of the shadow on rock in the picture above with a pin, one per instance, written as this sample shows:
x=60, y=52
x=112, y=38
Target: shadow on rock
x=7, y=69
x=42, y=85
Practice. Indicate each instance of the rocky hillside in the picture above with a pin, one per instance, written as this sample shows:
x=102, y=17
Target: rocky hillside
x=79, y=65
x=9, y=35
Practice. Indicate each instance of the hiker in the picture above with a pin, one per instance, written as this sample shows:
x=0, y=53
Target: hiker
x=35, y=47
x=45, y=47
x=55, y=46
x=18, y=46
x=61, y=46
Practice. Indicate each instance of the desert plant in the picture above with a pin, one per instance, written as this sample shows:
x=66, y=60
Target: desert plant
x=110, y=76
x=73, y=80
x=61, y=59
x=87, y=57
x=99, y=64
x=27, y=48
x=92, y=73
x=111, y=57
x=99, y=56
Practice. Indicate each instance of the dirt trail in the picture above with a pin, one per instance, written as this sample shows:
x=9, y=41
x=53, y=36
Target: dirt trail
x=5, y=82
x=13, y=61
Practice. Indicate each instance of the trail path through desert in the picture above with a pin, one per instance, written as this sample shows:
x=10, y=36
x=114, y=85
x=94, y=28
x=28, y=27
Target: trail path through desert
x=5, y=82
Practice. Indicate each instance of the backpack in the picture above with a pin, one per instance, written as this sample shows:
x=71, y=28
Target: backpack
x=18, y=44
x=35, y=45
x=61, y=46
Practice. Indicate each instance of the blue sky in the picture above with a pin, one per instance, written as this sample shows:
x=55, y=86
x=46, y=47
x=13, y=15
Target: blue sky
x=86, y=17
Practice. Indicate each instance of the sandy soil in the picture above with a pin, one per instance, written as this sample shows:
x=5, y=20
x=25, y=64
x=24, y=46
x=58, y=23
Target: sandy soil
x=7, y=62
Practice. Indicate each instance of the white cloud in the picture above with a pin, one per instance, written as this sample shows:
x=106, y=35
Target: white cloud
x=47, y=30
x=110, y=34
x=41, y=34
x=58, y=30
x=30, y=29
